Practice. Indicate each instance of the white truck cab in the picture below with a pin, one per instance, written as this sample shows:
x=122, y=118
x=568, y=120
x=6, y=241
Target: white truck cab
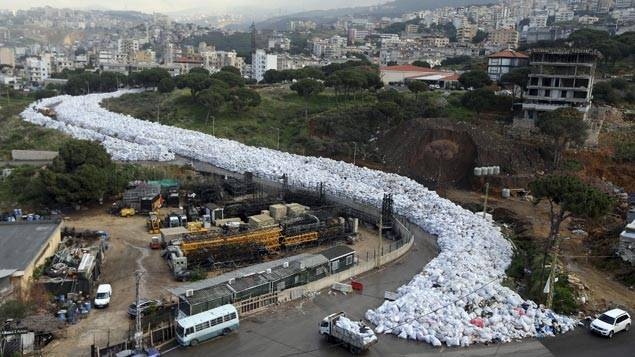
x=102, y=297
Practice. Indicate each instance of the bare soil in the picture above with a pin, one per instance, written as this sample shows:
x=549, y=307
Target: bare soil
x=128, y=252
x=602, y=290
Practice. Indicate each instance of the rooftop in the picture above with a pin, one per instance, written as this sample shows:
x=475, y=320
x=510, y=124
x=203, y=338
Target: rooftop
x=406, y=68
x=22, y=242
x=258, y=268
x=508, y=54
x=337, y=252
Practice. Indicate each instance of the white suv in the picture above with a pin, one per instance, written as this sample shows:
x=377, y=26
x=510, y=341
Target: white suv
x=611, y=322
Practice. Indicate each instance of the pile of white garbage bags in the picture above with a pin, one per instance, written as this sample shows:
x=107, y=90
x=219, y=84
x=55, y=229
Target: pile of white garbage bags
x=458, y=299
x=356, y=328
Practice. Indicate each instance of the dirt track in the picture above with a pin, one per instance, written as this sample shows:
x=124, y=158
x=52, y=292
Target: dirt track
x=128, y=251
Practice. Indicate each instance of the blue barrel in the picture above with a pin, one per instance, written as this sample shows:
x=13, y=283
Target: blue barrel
x=87, y=305
x=62, y=298
x=61, y=315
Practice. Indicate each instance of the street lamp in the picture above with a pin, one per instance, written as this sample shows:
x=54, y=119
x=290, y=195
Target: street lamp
x=486, y=171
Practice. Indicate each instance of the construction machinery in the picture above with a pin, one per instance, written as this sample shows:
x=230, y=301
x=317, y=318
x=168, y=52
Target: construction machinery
x=154, y=223
x=127, y=212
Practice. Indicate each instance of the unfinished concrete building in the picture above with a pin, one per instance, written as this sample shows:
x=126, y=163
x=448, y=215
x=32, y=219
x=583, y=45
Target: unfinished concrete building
x=560, y=77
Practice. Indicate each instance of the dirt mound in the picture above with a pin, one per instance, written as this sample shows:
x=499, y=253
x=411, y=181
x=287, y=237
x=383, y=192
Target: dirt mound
x=406, y=151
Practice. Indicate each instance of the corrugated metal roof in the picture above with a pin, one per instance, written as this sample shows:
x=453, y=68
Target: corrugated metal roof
x=262, y=267
x=337, y=252
x=22, y=242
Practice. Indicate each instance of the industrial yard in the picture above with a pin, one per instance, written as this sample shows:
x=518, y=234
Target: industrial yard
x=129, y=250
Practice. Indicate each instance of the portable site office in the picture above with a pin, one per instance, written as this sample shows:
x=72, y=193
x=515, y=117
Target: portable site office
x=250, y=281
x=340, y=257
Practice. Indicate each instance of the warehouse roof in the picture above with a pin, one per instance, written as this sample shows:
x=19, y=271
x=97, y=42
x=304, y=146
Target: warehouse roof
x=22, y=242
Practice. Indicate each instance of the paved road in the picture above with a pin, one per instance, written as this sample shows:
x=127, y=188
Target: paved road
x=291, y=329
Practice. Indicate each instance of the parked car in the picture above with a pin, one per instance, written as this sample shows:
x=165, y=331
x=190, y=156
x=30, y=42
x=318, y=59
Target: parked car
x=145, y=306
x=102, y=297
x=611, y=322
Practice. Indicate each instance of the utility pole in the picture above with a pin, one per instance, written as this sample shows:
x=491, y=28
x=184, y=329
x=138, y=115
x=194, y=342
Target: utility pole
x=380, y=246
x=486, y=171
x=354, y=152
x=138, y=335
x=485, y=202
x=158, y=105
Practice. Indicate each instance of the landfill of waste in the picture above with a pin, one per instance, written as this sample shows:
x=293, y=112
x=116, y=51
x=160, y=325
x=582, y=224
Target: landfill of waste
x=457, y=299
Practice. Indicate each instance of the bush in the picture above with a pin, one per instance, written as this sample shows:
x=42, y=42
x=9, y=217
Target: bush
x=564, y=300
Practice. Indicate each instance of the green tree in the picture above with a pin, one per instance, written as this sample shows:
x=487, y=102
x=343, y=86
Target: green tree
x=307, y=88
x=232, y=79
x=478, y=100
x=231, y=69
x=423, y=64
x=564, y=126
x=243, y=98
x=474, y=79
x=197, y=82
x=417, y=87
x=166, y=85
x=567, y=196
x=212, y=99
x=78, y=175
x=479, y=37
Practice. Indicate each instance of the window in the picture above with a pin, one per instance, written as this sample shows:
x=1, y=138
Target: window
x=621, y=318
x=230, y=316
x=190, y=330
x=335, y=265
x=216, y=321
x=547, y=93
x=563, y=94
x=349, y=260
x=202, y=326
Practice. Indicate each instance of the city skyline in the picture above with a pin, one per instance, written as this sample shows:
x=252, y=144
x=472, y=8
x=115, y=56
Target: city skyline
x=219, y=6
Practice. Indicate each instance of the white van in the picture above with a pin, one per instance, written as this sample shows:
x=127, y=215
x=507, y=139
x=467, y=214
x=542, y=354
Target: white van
x=102, y=297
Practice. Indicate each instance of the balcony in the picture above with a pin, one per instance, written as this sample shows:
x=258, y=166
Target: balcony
x=551, y=99
x=549, y=107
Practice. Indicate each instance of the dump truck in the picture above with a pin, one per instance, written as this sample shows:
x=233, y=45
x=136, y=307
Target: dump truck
x=353, y=335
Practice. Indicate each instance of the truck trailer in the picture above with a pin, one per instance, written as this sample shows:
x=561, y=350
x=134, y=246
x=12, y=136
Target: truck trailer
x=353, y=335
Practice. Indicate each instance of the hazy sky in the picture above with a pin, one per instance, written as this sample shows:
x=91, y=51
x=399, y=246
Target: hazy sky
x=178, y=5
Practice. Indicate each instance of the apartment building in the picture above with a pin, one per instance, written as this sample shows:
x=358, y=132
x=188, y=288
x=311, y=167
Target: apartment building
x=38, y=68
x=503, y=62
x=7, y=57
x=560, y=77
x=262, y=62
x=504, y=37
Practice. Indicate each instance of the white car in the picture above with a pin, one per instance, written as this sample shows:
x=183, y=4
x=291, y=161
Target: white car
x=102, y=297
x=611, y=322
